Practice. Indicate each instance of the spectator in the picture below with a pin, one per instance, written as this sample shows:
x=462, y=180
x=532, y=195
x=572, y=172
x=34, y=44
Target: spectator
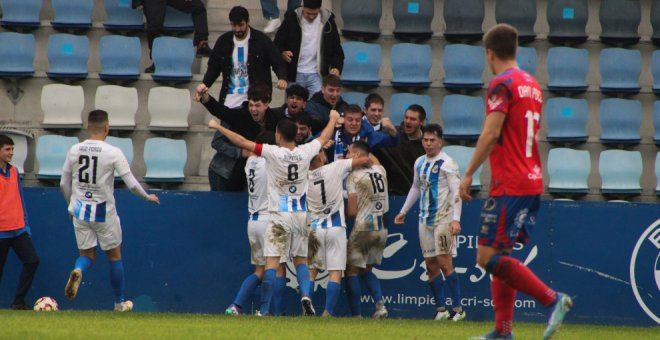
x=272, y=13
x=304, y=133
x=329, y=98
x=244, y=56
x=400, y=160
x=296, y=97
x=154, y=12
x=373, y=110
x=310, y=45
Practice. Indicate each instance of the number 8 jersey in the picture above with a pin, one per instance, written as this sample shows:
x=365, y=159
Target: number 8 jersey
x=515, y=162
x=92, y=165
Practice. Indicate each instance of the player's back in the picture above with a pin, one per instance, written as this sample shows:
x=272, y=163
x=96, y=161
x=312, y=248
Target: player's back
x=515, y=160
x=257, y=180
x=370, y=186
x=325, y=195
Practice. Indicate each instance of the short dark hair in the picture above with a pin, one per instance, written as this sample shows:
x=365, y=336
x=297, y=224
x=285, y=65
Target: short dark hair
x=265, y=137
x=373, y=98
x=362, y=146
x=298, y=91
x=5, y=140
x=353, y=108
x=502, y=39
x=238, y=14
x=419, y=109
x=97, y=120
x=312, y=4
x=287, y=129
x=433, y=128
x=303, y=119
x=331, y=80
x=259, y=92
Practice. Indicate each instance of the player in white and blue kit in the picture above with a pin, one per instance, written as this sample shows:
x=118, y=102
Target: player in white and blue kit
x=87, y=182
x=435, y=184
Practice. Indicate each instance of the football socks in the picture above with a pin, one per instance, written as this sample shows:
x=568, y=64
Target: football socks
x=117, y=280
x=247, y=287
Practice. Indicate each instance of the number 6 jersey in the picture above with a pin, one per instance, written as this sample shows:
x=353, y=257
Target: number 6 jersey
x=370, y=185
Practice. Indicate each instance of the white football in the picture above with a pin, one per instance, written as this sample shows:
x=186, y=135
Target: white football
x=46, y=304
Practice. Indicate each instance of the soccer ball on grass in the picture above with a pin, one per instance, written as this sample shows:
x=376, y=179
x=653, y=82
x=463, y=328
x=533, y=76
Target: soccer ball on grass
x=46, y=304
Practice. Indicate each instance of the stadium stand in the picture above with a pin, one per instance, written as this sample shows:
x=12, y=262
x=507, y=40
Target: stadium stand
x=165, y=159
x=62, y=106
x=412, y=19
x=463, y=19
x=620, y=172
x=173, y=58
x=464, y=65
x=361, y=18
x=568, y=170
x=120, y=102
x=177, y=22
x=120, y=58
x=462, y=117
x=411, y=65
x=462, y=156
x=521, y=14
x=567, y=120
x=67, y=56
x=20, y=14
x=620, y=120
x=567, y=20
x=399, y=102
x=620, y=20
x=361, y=63
x=567, y=69
x=72, y=14
x=51, y=153
x=169, y=108
x=122, y=17
x=356, y=98
x=126, y=146
x=620, y=70
x=526, y=59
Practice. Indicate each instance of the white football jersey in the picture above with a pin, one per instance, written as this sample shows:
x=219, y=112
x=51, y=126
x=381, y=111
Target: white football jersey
x=92, y=165
x=287, y=175
x=325, y=195
x=255, y=172
x=435, y=177
x=370, y=185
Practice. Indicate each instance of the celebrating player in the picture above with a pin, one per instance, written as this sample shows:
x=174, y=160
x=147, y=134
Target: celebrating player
x=88, y=186
x=436, y=179
x=509, y=136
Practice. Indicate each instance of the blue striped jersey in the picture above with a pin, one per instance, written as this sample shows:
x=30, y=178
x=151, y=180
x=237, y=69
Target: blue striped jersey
x=325, y=195
x=257, y=183
x=438, y=179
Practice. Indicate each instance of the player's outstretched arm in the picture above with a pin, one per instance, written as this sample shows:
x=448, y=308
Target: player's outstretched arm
x=233, y=137
x=134, y=186
x=326, y=134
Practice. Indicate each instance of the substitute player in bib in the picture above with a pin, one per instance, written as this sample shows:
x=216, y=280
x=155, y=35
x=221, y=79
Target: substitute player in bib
x=367, y=202
x=436, y=180
x=88, y=180
x=509, y=136
x=287, y=232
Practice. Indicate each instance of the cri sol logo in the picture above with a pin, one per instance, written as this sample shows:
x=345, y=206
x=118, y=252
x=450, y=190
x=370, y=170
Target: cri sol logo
x=645, y=271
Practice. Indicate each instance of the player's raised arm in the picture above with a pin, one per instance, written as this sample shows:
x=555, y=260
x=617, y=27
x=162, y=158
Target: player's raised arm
x=326, y=134
x=233, y=137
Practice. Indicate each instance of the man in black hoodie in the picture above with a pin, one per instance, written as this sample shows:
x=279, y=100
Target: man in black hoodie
x=329, y=98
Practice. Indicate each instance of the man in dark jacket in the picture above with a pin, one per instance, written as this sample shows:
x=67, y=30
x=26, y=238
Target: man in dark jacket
x=329, y=98
x=309, y=42
x=244, y=56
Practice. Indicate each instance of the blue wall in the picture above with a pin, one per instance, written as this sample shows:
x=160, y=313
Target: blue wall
x=190, y=254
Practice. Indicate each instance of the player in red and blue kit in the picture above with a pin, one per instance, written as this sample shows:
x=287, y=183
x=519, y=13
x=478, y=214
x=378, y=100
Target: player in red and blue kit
x=509, y=136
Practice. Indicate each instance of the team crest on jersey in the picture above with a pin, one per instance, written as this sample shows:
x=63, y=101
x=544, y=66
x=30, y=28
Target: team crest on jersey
x=379, y=205
x=88, y=195
x=326, y=211
x=435, y=169
x=293, y=189
x=645, y=271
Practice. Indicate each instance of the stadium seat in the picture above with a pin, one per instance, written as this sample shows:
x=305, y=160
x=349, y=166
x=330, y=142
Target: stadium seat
x=620, y=70
x=520, y=14
x=16, y=54
x=121, y=16
x=411, y=65
x=655, y=70
x=412, y=19
x=620, y=20
x=126, y=146
x=72, y=14
x=51, y=154
x=401, y=101
x=463, y=19
x=20, y=13
x=567, y=120
x=361, y=18
x=20, y=139
x=462, y=117
x=177, y=22
x=165, y=159
x=120, y=58
x=526, y=58
x=464, y=66
x=567, y=20
x=568, y=170
x=656, y=122
x=657, y=174
x=620, y=120
x=462, y=155
x=120, y=102
x=62, y=105
x=169, y=108
x=173, y=58
x=567, y=69
x=620, y=171
x=356, y=98
x=67, y=56
x=361, y=64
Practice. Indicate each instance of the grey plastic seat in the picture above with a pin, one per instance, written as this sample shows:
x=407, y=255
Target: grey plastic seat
x=120, y=102
x=169, y=108
x=567, y=20
x=520, y=14
x=361, y=18
x=463, y=19
x=412, y=19
x=620, y=120
x=620, y=172
x=568, y=170
x=620, y=20
x=62, y=105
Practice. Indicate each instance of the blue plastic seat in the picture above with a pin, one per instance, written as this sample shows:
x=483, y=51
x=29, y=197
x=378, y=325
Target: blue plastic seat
x=620, y=172
x=120, y=57
x=399, y=103
x=657, y=173
x=165, y=159
x=68, y=55
x=567, y=69
x=568, y=170
x=412, y=19
x=620, y=70
x=16, y=54
x=72, y=14
x=656, y=122
x=177, y=21
x=655, y=70
x=620, y=20
x=520, y=14
x=51, y=154
x=121, y=16
x=361, y=18
x=173, y=58
x=126, y=147
x=567, y=20
x=463, y=19
x=411, y=65
x=620, y=120
x=356, y=98
x=361, y=63
x=567, y=120
x=462, y=117
x=526, y=59
x=462, y=155
x=20, y=13
x=464, y=65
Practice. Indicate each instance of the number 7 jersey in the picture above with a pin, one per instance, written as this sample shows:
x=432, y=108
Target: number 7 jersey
x=515, y=162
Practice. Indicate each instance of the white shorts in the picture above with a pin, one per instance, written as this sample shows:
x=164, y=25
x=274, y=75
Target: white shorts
x=286, y=235
x=327, y=248
x=366, y=247
x=256, y=231
x=89, y=234
x=437, y=241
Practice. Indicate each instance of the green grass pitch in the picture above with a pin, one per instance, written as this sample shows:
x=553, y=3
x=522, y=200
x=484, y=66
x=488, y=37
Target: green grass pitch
x=109, y=325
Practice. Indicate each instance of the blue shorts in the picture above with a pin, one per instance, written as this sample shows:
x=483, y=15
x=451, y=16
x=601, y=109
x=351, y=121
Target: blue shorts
x=507, y=220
